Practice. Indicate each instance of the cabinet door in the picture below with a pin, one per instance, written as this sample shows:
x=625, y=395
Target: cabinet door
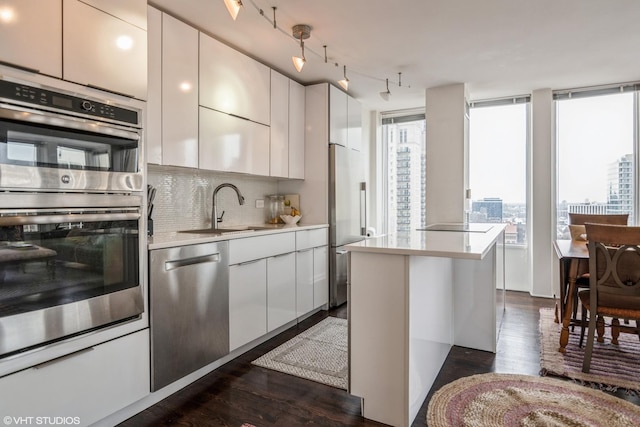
x=247, y=302
x=153, y=127
x=279, y=129
x=320, y=276
x=179, y=93
x=103, y=51
x=31, y=34
x=232, y=144
x=296, y=130
x=304, y=282
x=90, y=384
x=232, y=82
x=337, y=116
x=354, y=124
x=281, y=290
x=131, y=11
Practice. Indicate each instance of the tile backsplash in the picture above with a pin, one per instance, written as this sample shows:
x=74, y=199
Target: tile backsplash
x=184, y=198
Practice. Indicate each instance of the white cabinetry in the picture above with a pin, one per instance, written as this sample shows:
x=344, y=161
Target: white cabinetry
x=104, y=51
x=89, y=384
x=154, y=83
x=232, y=82
x=247, y=302
x=31, y=35
x=296, y=129
x=337, y=116
x=259, y=267
x=134, y=12
x=354, y=124
x=232, y=144
x=312, y=284
x=287, y=127
x=281, y=290
x=279, y=150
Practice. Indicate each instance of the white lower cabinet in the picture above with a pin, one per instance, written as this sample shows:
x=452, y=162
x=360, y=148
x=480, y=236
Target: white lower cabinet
x=320, y=276
x=87, y=385
x=304, y=282
x=281, y=290
x=247, y=302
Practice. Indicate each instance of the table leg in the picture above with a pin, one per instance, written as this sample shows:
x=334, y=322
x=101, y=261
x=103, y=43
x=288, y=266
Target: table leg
x=566, y=318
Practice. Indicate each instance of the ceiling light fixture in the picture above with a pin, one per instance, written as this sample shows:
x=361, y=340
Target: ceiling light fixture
x=233, y=6
x=385, y=95
x=301, y=32
x=344, y=82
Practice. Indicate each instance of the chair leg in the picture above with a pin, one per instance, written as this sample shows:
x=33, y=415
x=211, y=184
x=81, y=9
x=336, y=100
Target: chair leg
x=583, y=324
x=600, y=328
x=615, y=331
x=586, y=362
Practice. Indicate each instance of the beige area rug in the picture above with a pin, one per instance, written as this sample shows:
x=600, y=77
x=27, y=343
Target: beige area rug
x=489, y=400
x=612, y=366
x=318, y=354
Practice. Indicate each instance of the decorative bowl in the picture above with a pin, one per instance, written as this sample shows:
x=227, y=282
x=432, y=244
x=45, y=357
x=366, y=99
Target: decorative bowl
x=288, y=219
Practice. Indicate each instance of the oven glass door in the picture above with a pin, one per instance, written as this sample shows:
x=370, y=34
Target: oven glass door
x=66, y=271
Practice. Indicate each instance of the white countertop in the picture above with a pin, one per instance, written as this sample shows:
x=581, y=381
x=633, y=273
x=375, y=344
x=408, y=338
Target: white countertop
x=450, y=244
x=176, y=238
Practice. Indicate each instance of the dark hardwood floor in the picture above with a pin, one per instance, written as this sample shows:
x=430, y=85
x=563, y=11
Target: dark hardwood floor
x=239, y=392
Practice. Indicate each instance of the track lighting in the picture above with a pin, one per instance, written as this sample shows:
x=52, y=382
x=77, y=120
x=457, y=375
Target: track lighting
x=385, y=95
x=301, y=32
x=344, y=82
x=233, y=6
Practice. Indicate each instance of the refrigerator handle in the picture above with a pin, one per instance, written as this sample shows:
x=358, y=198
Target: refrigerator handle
x=363, y=208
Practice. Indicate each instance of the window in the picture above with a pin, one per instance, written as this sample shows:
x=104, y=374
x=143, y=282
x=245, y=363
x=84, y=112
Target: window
x=498, y=165
x=403, y=137
x=595, y=161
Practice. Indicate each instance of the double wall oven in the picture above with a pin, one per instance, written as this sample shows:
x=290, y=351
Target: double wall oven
x=71, y=215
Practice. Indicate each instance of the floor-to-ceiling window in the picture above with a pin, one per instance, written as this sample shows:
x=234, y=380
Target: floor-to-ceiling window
x=403, y=138
x=498, y=141
x=596, y=145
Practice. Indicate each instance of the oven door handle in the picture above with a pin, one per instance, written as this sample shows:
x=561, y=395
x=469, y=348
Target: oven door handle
x=7, y=221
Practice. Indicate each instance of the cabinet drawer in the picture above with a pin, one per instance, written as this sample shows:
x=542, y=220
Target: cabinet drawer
x=306, y=239
x=90, y=384
x=243, y=250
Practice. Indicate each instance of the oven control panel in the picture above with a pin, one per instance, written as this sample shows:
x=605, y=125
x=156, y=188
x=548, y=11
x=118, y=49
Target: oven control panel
x=63, y=101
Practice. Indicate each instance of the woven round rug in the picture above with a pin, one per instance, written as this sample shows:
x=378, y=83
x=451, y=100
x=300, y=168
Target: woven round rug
x=490, y=400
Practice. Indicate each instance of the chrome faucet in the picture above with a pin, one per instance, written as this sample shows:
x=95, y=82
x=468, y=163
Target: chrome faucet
x=214, y=211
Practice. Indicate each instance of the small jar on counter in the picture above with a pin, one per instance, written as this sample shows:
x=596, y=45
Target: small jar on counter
x=275, y=209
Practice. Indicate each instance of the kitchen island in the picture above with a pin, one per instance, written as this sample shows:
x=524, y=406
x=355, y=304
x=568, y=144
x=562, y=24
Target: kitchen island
x=413, y=296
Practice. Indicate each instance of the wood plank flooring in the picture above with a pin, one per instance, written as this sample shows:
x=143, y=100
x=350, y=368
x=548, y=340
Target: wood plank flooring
x=239, y=392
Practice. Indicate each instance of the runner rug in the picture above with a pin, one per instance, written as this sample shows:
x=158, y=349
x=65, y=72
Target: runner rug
x=490, y=400
x=612, y=366
x=318, y=354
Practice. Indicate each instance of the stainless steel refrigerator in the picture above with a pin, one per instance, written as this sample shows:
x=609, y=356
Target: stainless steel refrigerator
x=347, y=214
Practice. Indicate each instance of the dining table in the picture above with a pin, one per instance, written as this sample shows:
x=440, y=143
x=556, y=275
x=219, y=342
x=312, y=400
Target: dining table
x=571, y=254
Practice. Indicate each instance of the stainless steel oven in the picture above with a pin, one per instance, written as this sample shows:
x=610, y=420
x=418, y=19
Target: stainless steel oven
x=59, y=140
x=69, y=264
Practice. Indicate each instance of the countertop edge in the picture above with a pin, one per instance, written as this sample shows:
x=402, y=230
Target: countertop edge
x=174, y=239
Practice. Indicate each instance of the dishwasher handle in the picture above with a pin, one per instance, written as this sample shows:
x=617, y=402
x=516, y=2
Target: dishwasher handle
x=173, y=264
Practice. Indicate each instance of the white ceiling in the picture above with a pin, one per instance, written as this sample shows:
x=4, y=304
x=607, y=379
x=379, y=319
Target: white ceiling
x=497, y=47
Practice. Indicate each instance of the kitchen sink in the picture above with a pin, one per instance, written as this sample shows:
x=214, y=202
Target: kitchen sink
x=237, y=229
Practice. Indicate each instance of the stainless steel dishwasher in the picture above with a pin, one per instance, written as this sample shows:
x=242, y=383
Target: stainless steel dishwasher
x=189, y=298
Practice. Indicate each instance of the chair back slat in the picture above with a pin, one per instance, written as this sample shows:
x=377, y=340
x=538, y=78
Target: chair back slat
x=614, y=219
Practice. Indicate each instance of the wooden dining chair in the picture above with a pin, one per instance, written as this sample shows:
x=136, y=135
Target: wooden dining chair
x=579, y=219
x=614, y=266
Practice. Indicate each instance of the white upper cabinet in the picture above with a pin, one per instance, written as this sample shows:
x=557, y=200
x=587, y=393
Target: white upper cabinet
x=232, y=82
x=296, y=129
x=31, y=34
x=179, y=93
x=131, y=11
x=232, y=144
x=279, y=166
x=354, y=124
x=104, y=51
x=154, y=99
x=337, y=116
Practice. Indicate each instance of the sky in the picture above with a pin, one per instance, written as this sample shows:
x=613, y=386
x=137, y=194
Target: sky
x=592, y=133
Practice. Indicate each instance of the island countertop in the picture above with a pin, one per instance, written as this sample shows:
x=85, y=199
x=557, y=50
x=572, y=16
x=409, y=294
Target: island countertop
x=450, y=244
